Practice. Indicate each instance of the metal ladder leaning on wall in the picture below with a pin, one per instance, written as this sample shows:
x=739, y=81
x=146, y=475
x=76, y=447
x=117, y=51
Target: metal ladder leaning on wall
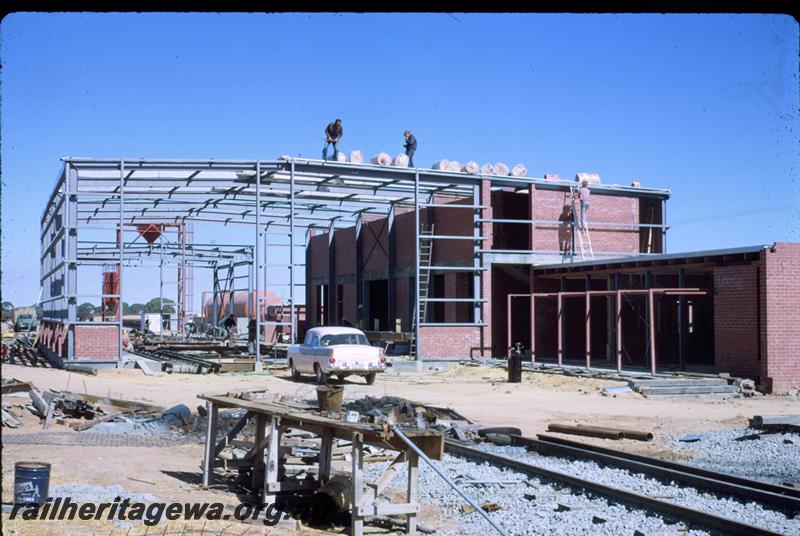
x=425, y=257
x=582, y=235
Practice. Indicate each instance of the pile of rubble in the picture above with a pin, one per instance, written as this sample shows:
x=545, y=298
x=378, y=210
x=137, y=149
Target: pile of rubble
x=23, y=352
x=24, y=404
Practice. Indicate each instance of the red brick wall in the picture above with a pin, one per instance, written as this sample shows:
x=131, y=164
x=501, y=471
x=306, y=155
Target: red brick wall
x=375, y=245
x=736, y=320
x=404, y=233
x=98, y=343
x=345, y=250
x=549, y=205
x=318, y=255
x=448, y=342
x=452, y=222
x=782, y=342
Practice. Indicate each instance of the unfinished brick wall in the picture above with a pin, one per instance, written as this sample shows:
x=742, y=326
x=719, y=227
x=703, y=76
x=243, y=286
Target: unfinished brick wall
x=53, y=336
x=552, y=205
x=782, y=290
x=448, y=342
x=736, y=320
x=96, y=343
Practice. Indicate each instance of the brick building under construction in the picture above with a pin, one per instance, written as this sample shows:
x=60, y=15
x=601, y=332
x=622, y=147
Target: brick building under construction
x=462, y=264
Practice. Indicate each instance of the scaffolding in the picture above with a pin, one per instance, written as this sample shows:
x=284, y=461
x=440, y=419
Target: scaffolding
x=287, y=197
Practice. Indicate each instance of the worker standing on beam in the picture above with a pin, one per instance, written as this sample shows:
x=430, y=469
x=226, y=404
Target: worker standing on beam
x=333, y=133
x=411, y=147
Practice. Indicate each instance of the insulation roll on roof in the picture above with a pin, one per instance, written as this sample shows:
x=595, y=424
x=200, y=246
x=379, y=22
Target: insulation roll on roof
x=518, y=171
x=487, y=169
x=501, y=169
x=441, y=165
x=341, y=157
x=356, y=157
x=471, y=167
x=454, y=165
x=382, y=159
x=593, y=178
x=401, y=160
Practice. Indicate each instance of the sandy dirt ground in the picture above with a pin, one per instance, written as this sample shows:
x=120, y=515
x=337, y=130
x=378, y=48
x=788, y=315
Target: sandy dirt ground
x=479, y=393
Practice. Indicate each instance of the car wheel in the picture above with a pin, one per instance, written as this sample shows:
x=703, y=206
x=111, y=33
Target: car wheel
x=320, y=376
x=295, y=373
x=370, y=378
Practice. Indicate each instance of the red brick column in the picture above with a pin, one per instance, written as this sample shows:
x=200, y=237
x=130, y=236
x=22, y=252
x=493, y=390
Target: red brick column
x=781, y=345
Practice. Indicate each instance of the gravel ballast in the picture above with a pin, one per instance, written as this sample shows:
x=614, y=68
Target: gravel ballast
x=528, y=505
x=771, y=457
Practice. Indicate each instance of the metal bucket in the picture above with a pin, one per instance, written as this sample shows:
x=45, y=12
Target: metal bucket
x=330, y=397
x=31, y=482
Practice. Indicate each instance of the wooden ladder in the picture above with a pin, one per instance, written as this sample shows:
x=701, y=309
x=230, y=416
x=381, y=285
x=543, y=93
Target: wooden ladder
x=425, y=258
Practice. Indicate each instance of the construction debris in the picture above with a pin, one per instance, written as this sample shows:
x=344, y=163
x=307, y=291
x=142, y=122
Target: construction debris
x=776, y=423
x=23, y=352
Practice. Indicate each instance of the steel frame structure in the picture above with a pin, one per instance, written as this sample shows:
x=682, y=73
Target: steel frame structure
x=283, y=197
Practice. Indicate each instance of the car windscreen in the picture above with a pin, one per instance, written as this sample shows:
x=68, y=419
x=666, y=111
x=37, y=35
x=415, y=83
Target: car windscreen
x=25, y=317
x=344, y=338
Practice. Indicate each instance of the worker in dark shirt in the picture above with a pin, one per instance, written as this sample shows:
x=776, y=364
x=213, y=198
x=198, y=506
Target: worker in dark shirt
x=251, y=336
x=411, y=146
x=230, y=326
x=333, y=133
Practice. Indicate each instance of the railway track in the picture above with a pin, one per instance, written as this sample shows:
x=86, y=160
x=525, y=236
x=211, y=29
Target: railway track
x=779, y=498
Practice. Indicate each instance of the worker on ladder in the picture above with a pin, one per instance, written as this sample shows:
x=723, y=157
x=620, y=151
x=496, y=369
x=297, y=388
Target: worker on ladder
x=583, y=197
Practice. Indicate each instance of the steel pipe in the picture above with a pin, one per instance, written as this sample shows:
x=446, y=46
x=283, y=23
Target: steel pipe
x=452, y=484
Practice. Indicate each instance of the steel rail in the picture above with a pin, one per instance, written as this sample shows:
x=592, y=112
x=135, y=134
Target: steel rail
x=782, y=497
x=700, y=518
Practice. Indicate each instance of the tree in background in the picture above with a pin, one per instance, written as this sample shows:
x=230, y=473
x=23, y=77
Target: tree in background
x=152, y=306
x=132, y=308
x=87, y=310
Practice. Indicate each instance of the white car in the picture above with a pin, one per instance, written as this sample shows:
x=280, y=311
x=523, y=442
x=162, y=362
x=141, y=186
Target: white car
x=339, y=351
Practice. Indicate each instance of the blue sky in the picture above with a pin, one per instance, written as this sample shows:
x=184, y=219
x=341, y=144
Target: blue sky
x=705, y=105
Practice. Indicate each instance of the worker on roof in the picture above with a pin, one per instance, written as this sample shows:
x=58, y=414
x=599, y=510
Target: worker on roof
x=583, y=197
x=411, y=147
x=333, y=133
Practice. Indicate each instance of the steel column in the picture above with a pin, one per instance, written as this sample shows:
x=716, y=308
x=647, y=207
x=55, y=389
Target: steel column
x=331, y=315
x=477, y=259
x=509, y=344
x=681, y=315
x=71, y=273
x=619, y=331
x=392, y=281
x=533, y=328
x=121, y=252
x=292, y=320
x=588, y=331
x=417, y=342
x=652, y=329
x=259, y=298
x=560, y=329
x=161, y=288
x=363, y=310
